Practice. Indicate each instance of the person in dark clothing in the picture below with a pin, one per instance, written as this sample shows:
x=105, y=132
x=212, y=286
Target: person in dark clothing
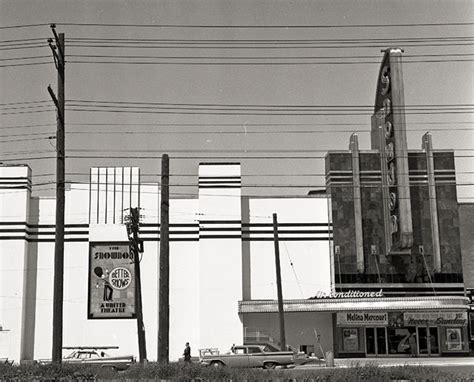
x=187, y=353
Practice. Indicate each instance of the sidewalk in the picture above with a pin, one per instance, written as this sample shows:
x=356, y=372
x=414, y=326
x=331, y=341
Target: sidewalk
x=432, y=361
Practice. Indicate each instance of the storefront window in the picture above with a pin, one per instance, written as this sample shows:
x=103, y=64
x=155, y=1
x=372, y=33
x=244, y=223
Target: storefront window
x=398, y=340
x=471, y=320
x=454, y=339
x=350, y=339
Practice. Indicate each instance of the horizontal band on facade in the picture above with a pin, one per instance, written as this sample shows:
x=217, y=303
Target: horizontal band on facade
x=157, y=238
x=213, y=229
x=220, y=236
x=10, y=184
x=15, y=187
x=201, y=186
x=36, y=233
x=36, y=240
x=283, y=232
x=219, y=177
x=313, y=238
x=171, y=232
x=190, y=225
x=74, y=225
x=287, y=224
x=219, y=180
x=204, y=221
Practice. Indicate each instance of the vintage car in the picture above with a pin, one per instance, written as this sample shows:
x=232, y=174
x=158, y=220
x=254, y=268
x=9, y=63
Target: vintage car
x=96, y=356
x=246, y=356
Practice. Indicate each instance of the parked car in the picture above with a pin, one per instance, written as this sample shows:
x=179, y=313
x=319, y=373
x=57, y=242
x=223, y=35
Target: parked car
x=96, y=356
x=246, y=356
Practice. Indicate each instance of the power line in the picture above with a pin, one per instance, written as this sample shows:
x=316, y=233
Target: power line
x=244, y=132
x=251, y=47
x=264, y=41
x=26, y=126
x=245, y=124
x=215, y=63
x=25, y=64
x=22, y=135
x=215, y=157
x=186, y=111
x=23, y=26
x=287, y=57
x=29, y=112
x=23, y=58
x=338, y=106
x=230, y=151
x=24, y=103
x=32, y=46
x=289, y=26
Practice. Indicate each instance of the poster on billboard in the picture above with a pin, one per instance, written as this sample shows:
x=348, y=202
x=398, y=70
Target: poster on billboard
x=350, y=339
x=454, y=339
x=111, y=281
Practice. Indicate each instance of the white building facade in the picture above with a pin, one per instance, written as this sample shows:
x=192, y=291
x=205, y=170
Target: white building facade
x=221, y=253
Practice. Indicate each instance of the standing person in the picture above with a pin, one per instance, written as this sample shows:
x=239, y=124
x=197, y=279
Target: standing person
x=412, y=343
x=187, y=353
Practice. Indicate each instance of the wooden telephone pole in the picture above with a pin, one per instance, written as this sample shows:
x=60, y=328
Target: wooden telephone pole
x=58, y=49
x=135, y=247
x=164, y=274
x=278, y=279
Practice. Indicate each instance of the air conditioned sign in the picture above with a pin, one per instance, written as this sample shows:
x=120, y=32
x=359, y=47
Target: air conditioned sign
x=111, y=281
x=362, y=319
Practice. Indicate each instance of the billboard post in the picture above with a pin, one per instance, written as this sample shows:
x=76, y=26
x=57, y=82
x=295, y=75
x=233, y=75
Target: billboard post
x=135, y=248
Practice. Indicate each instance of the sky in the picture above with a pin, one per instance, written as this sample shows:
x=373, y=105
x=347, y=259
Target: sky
x=226, y=80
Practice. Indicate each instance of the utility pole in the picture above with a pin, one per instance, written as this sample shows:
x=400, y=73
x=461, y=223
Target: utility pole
x=278, y=279
x=164, y=287
x=58, y=49
x=136, y=248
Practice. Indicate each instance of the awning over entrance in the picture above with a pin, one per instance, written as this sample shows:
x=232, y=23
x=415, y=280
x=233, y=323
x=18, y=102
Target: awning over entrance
x=353, y=304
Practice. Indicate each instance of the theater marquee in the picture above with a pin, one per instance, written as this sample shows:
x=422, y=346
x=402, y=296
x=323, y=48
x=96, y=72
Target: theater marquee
x=362, y=319
x=111, y=281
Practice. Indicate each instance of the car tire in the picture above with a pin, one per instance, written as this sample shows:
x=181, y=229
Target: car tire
x=269, y=365
x=216, y=364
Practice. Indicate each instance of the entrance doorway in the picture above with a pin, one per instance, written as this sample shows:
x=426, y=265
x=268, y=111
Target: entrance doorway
x=376, y=341
x=428, y=340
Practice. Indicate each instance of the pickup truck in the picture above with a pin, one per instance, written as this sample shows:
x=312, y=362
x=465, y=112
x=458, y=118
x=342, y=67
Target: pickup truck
x=246, y=356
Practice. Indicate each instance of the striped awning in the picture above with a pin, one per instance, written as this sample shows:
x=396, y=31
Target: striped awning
x=354, y=304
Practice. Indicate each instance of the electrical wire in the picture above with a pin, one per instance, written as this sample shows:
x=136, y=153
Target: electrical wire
x=289, y=26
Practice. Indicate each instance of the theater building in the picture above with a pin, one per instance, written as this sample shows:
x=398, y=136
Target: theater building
x=367, y=266
x=396, y=234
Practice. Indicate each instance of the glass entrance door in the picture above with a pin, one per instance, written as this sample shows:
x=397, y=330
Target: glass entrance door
x=433, y=340
x=428, y=340
x=422, y=341
x=376, y=341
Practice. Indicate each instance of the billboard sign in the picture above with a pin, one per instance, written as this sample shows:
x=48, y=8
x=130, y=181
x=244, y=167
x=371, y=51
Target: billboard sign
x=111, y=281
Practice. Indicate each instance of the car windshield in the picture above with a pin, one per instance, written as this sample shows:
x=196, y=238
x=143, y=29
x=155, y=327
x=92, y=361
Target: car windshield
x=72, y=355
